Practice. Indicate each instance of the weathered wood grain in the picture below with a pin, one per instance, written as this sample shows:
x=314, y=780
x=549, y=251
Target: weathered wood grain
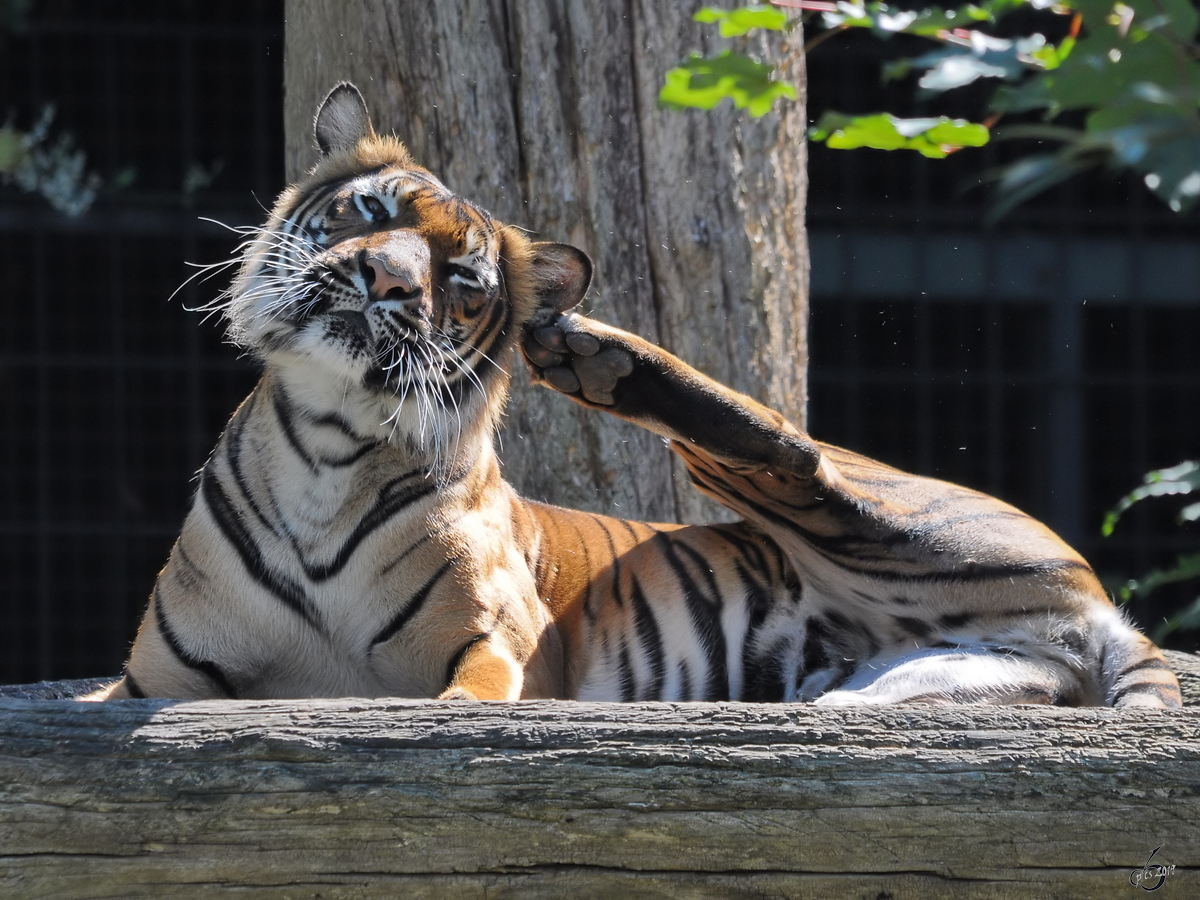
x=338, y=798
x=545, y=112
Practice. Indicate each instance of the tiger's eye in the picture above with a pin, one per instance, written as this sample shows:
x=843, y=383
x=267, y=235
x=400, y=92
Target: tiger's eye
x=373, y=207
x=464, y=276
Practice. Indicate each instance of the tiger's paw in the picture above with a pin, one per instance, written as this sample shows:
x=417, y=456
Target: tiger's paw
x=576, y=359
x=456, y=693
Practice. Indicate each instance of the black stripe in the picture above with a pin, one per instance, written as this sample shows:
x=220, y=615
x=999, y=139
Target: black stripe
x=955, y=620
x=627, y=686
x=186, y=572
x=317, y=193
x=411, y=608
x=421, y=541
x=685, y=681
x=706, y=618
x=1074, y=639
x=544, y=563
x=133, y=688
x=753, y=547
x=651, y=641
x=855, y=632
x=846, y=551
x=760, y=673
x=763, y=683
x=284, y=588
x=393, y=499
x=1167, y=693
x=342, y=462
x=1148, y=663
x=616, y=563
x=284, y=413
x=498, y=318
x=204, y=666
x=233, y=454
x=703, y=566
x=333, y=420
x=287, y=413
x=816, y=656
x=633, y=535
x=457, y=658
x=918, y=628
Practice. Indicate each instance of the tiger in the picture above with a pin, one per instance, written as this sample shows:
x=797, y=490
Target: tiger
x=352, y=535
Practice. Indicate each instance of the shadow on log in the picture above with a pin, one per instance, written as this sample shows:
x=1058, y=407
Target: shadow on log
x=384, y=798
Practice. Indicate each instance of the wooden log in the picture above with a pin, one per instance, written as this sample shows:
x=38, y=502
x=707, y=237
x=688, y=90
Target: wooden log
x=339, y=798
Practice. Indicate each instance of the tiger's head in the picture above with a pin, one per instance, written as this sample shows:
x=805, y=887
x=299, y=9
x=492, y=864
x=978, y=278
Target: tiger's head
x=373, y=279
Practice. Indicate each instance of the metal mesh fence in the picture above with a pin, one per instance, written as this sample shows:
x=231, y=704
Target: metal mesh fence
x=110, y=393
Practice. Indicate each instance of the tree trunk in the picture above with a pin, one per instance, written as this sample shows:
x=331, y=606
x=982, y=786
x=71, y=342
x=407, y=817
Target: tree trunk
x=545, y=113
x=410, y=798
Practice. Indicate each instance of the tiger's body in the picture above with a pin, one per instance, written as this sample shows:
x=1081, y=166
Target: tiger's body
x=352, y=534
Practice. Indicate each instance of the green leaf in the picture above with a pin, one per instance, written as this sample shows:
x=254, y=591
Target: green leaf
x=1031, y=175
x=1179, y=17
x=703, y=82
x=932, y=137
x=933, y=19
x=13, y=150
x=1051, y=57
x=986, y=57
x=885, y=20
x=1181, y=479
x=1186, y=568
x=1105, y=66
x=1159, y=141
x=1172, y=166
x=736, y=22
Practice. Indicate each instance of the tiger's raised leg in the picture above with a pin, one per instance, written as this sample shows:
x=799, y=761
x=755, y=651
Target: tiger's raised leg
x=924, y=589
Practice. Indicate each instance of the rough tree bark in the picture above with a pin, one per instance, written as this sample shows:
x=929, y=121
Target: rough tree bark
x=401, y=798
x=545, y=113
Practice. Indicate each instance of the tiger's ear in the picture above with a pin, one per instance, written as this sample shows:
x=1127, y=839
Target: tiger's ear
x=562, y=275
x=342, y=120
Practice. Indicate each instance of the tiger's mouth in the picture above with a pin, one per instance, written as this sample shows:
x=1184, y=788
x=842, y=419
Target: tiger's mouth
x=394, y=355
x=349, y=323
x=390, y=346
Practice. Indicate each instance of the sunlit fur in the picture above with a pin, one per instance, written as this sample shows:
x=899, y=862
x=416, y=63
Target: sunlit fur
x=352, y=535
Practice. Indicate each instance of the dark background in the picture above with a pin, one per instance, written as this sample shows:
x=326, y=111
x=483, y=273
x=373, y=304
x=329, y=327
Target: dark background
x=1050, y=361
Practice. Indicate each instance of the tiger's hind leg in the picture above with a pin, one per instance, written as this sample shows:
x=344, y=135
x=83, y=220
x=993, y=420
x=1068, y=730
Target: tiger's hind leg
x=966, y=674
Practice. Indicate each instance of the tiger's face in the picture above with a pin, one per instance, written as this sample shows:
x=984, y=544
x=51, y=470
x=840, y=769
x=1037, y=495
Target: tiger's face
x=386, y=279
x=376, y=276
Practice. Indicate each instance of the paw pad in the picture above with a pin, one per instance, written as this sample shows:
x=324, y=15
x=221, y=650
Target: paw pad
x=561, y=379
x=598, y=375
x=575, y=362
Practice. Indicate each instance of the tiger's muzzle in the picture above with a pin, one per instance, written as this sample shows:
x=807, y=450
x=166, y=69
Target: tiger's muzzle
x=397, y=274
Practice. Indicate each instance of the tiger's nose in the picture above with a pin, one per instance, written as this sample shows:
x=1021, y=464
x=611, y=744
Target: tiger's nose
x=385, y=284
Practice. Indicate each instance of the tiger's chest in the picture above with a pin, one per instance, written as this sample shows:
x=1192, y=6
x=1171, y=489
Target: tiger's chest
x=360, y=580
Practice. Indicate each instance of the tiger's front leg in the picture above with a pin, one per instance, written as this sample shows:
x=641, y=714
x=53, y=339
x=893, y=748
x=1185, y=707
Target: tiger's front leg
x=820, y=502
x=485, y=669
x=606, y=368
